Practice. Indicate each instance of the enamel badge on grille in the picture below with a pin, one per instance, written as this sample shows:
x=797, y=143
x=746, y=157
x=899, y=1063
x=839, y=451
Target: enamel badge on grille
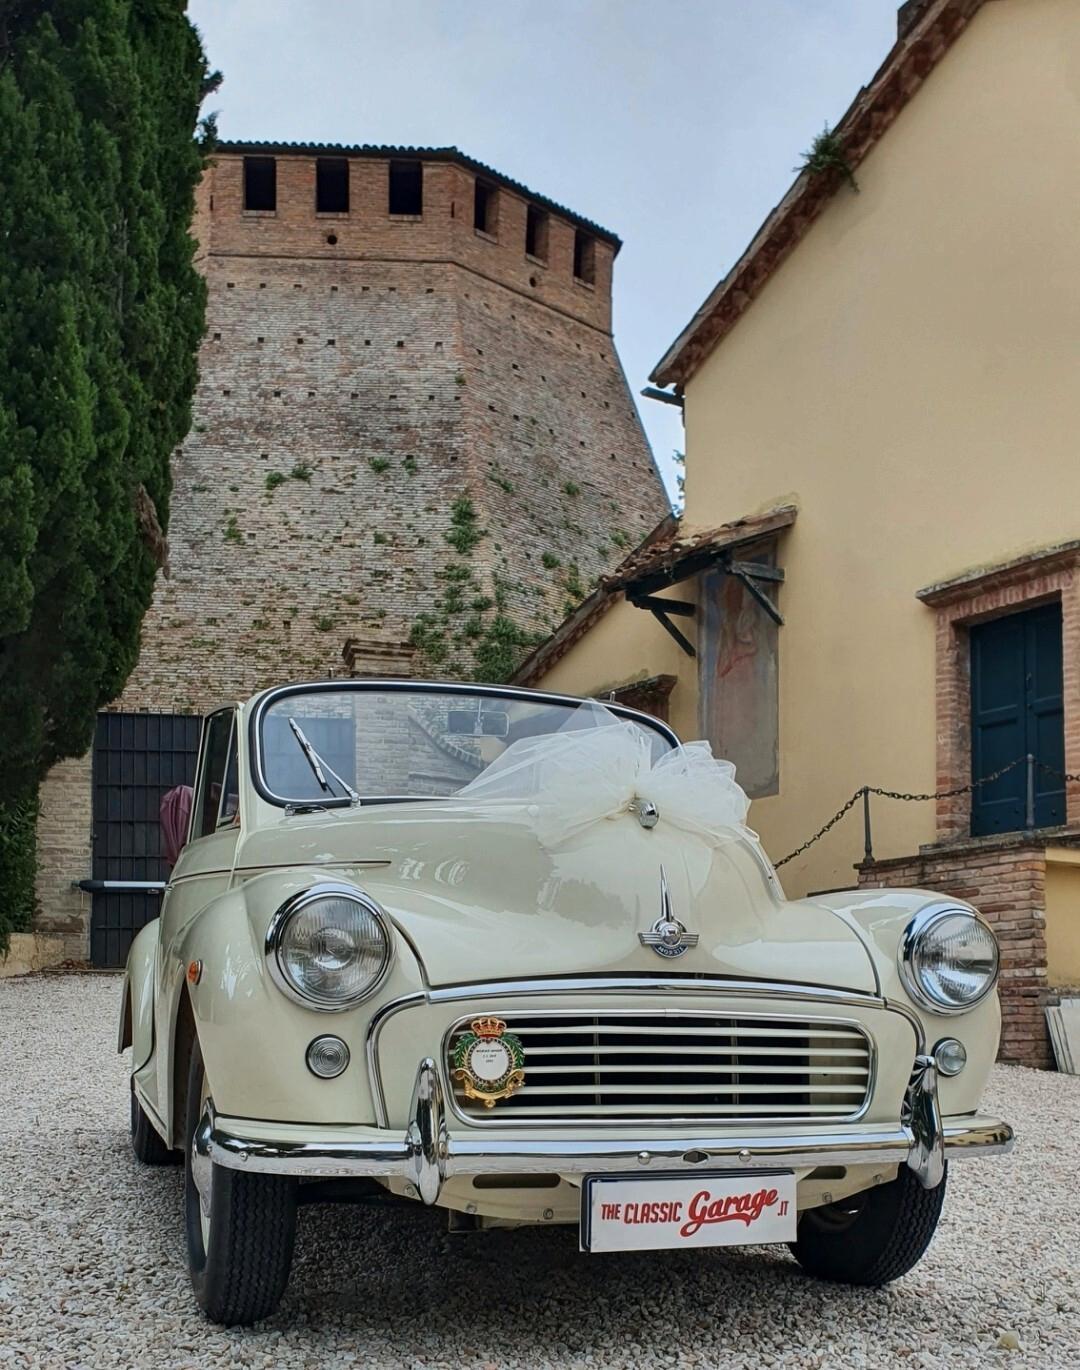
x=489, y=1061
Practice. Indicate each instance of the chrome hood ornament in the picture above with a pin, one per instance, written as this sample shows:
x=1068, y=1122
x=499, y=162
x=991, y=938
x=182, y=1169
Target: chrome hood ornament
x=667, y=936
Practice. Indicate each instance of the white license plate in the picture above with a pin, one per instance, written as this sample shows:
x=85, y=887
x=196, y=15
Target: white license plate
x=623, y=1213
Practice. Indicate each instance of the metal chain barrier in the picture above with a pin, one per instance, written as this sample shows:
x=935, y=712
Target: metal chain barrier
x=1060, y=775
x=864, y=792
x=948, y=794
x=821, y=831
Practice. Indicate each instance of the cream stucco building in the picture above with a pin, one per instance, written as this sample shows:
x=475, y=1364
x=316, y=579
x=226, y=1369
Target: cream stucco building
x=882, y=408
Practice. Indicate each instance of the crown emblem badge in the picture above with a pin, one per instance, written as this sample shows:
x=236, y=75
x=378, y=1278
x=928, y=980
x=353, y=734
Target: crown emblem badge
x=489, y=1061
x=667, y=936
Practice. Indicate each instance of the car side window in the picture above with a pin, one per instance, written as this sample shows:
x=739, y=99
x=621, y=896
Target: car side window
x=212, y=772
x=230, y=795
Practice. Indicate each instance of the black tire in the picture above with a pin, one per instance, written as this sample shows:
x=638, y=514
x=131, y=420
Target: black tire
x=145, y=1141
x=241, y=1273
x=872, y=1237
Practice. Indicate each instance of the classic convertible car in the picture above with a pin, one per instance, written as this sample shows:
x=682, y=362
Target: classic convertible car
x=517, y=955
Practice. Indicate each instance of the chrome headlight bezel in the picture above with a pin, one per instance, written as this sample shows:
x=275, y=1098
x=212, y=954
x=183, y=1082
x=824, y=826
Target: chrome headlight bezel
x=279, y=923
x=914, y=933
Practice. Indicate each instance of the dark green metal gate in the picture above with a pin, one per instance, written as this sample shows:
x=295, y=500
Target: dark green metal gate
x=137, y=758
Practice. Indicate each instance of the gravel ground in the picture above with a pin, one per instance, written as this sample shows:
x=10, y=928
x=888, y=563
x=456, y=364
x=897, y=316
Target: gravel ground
x=92, y=1266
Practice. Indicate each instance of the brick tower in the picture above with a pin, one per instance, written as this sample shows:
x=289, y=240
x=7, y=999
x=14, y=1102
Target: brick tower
x=412, y=431
x=412, y=441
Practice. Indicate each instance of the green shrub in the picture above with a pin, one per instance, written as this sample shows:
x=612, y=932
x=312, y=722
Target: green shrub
x=18, y=866
x=827, y=156
x=101, y=314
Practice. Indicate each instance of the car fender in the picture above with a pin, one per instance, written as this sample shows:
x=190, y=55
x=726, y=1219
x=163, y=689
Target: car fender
x=137, y=997
x=882, y=916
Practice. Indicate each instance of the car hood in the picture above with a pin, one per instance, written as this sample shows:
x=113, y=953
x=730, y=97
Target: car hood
x=479, y=898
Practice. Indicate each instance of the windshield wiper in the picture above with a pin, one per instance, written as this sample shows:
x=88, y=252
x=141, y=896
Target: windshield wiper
x=319, y=765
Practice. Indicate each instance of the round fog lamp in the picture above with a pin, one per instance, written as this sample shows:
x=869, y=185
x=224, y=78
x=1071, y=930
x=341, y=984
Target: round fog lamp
x=950, y=1056
x=327, y=1057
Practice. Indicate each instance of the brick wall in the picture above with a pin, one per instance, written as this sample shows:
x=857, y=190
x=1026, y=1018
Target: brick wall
x=1005, y=878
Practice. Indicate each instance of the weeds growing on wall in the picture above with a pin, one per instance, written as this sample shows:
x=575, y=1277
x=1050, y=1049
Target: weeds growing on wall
x=827, y=156
x=464, y=531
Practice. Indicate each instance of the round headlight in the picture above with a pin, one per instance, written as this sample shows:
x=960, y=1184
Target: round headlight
x=949, y=959
x=329, y=947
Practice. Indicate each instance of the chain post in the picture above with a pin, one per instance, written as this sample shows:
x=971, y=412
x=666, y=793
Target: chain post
x=1029, y=807
x=868, y=837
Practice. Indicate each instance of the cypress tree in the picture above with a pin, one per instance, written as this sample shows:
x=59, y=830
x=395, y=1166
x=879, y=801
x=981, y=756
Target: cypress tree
x=101, y=312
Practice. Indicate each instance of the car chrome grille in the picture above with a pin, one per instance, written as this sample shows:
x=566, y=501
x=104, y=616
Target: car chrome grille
x=679, y=1067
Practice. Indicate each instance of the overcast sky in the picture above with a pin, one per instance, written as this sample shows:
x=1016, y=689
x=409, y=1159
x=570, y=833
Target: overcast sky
x=676, y=123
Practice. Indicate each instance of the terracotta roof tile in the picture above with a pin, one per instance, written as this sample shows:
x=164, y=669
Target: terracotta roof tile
x=671, y=555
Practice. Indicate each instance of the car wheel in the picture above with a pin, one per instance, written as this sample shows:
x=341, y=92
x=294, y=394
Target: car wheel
x=240, y=1228
x=872, y=1237
x=145, y=1141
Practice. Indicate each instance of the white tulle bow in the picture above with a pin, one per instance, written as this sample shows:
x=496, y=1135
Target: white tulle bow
x=568, y=780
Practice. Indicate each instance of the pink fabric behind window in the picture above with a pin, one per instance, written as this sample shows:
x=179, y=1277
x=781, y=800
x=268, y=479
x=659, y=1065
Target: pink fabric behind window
x=175, y=815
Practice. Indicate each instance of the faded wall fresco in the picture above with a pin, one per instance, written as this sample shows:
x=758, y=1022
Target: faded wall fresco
x=739, y=681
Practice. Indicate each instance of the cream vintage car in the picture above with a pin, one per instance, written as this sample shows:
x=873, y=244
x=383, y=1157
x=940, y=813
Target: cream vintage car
x=517, y=955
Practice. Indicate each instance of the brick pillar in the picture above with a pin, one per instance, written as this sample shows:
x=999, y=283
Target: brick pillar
x=64, y=835
x=367, y=658
x=1005, y=878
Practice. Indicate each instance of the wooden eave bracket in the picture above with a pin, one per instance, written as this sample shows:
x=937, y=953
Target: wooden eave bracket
x=660, y=609
x=748, y=573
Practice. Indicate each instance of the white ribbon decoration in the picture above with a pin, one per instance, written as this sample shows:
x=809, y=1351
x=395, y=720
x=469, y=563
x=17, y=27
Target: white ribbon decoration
x=598, y=766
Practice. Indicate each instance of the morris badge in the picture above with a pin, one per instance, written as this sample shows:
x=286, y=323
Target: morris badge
x=667, y=936
x=489, y=1061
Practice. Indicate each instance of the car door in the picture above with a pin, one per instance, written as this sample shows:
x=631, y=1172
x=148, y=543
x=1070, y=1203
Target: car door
x=203, y=869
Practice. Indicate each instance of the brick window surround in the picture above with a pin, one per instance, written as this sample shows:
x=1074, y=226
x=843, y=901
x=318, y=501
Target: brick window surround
x=1042, y=577
x=651, y=696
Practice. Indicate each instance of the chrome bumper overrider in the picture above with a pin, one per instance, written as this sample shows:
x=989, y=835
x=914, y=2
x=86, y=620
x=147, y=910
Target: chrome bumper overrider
x=428, y=1153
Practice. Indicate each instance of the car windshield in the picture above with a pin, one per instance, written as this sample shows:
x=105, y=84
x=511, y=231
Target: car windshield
x=320, y=744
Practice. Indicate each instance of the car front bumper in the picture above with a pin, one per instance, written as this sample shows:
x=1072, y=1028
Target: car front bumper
x=428, y=1153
